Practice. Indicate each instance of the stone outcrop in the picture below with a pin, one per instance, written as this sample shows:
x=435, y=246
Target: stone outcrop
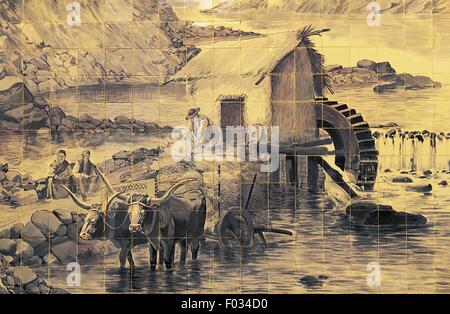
x=50, y=237
x=23, y=280
x=367, y=213
x=381, y=76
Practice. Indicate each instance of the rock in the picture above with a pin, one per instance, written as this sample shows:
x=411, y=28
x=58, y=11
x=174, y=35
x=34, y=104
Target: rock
x=24, y=250
x=4, y=234
x=332, y=68
x=7, y=261
x=151, y=127
x=16, y=230
x=402, y=179
x=31, y=288
x=419, y=82
x=388, y=218
x=13, y=177
x=58, y=291
x=107, y=124
x=56, y=116
x=122, y=120
x=3, y=288
x=362, y=71
x=122, y=155
x=34, y=261
x=13, y=93
x=384, y=67
x=78, y=217
x=24, y=274
x=385, y=87
x=64, y=215
x=46, y=222
x=90, y=120
x=69, y=124
x=420, y=188
x=49, y=259
x=29, y=187
x=390, y=77
x=367, y=64
x=360, y=210
x=62, y=231
x=311, y=282
x=66, y=251
x=41, y=191
x=24, y=197
x=44, y=289
x=7, y=247
x=73, y=231
x=443, y=183
x=32, y=235
x=428, y=172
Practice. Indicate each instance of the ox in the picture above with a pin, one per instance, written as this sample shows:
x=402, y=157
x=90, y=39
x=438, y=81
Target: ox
x=112, y=222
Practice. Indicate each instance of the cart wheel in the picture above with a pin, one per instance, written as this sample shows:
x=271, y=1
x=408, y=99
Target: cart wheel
x=235, y=227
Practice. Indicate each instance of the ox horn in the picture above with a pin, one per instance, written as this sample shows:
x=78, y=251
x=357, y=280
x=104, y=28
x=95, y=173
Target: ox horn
x=110, y=187
x=158, y=200
x=110, y=200
x=76, y=200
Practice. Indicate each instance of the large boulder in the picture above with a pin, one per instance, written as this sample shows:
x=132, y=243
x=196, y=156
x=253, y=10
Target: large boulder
x=24, y=251
x=384, y=67
x=122, y=120
x=332, y=68
x=13, y=93
x=64, y=215
x=402, y=179
x=56, y=116
x=421, y=188
x=73, y=230
x=65, y=251
x=4, y=234
x=32, y=235
x=46, y=222
x=16, y=230
x=388, y=218
x=367, y=64
x=24, y=275
x=24, y=197
x=90, y=120
x=8, y=246
x=419, y=82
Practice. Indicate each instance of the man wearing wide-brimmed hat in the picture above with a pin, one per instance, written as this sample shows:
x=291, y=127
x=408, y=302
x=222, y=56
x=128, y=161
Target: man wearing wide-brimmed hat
x=198, y=125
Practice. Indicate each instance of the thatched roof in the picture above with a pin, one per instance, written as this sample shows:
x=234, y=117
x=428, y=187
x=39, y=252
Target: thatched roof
x=229, y=68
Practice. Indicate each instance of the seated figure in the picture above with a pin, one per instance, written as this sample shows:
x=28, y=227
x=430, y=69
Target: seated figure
x=60, y=173
x=85, y=173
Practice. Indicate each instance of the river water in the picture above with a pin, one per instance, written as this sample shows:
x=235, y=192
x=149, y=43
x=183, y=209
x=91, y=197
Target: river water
x=324, y=242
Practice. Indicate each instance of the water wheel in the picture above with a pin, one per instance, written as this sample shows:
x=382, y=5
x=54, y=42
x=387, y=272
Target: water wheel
x=353, y=141
x=235, y=227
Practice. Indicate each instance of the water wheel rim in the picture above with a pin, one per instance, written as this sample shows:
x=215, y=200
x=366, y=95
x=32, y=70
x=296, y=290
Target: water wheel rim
x=235, y=227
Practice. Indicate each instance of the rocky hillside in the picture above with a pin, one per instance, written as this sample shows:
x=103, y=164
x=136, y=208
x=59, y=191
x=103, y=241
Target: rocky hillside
x=121, y=42
x=330, y=7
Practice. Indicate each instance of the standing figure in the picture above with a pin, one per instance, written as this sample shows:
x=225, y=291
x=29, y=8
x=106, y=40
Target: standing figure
x=60, y=173
x=85, y=173
x=198, y=125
